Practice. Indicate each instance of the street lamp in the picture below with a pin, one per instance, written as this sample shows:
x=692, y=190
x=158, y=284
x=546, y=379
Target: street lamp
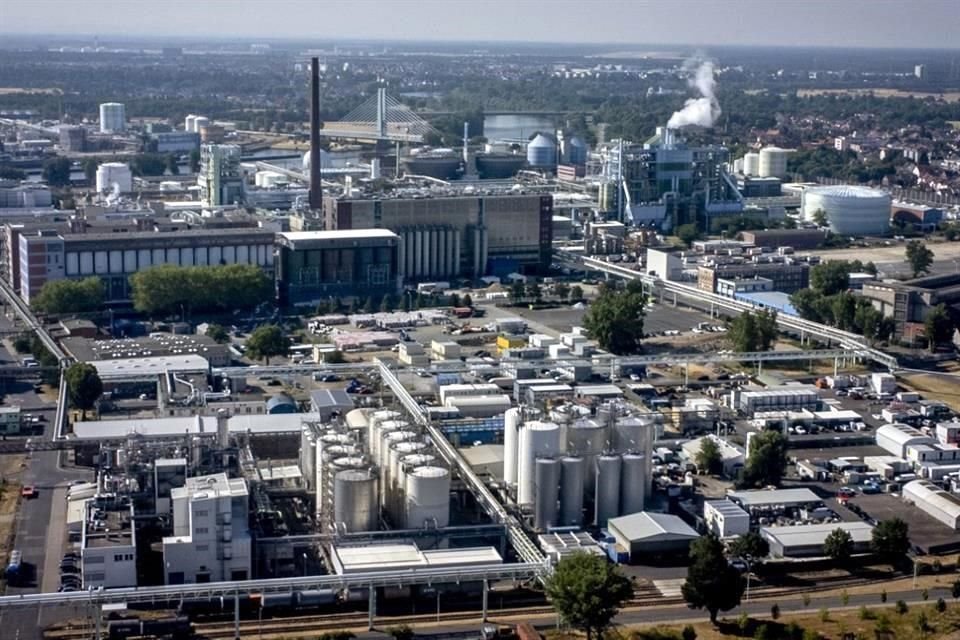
x=304, y=556
x=749, y=570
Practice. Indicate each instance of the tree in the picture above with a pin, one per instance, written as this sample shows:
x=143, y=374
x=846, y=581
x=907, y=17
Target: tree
x=576, y=293
x=809, y=304
x=387, y=303
x=334, y=357
x=90, y=166
x=838, y=545
x=775, y=611
x=843, y=307
x=615, y=320
x=941, y=605
x=768, y=459
x=753, y=330
x=467, y=301
x=708, y=458
x=84, y=386
x=711, y=583
x=56, y=172
x=588, y=591
x=69, y=296
x=534, y=291
x=750, y=545
x=688, y=234
x=454, y=300
x=171, y=163
x=368, y=305
x=168, y=288
x=562, y=291
x=267, y=341
x=517, y=291
x=937, y=327
x=148, y=164
x=819, y=218
x=891, y=538
x=828, y=278
x=955, y=589
x=12, y=173
x=405, y=303
x=218, y=333
x=919, y=257
x=688, y=633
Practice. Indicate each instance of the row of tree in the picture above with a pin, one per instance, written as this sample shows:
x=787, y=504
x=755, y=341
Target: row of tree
x=70, y=296
x=166, y=289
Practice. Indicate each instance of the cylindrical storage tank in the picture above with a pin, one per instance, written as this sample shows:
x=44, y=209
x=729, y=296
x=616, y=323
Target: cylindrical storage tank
x=547, y=487
x=588, y=438
x=536, y=439
x=378, y=425
x=578, y=151
x=190, y=123
x=200, y=122
x=634, y=433
x=427, y=497
x=542, y=152
x=850, y=210
x=398, y=451
x=633, y=483
x=572, y=487
x=773, y=162
x=357, y=419
x=355, y=499
x=511, y=444
x=384, y=438
x=387, y=440
x=607, y=494
x=325, y=470
x=751, y=164
x=348, y=462
x=407, y=464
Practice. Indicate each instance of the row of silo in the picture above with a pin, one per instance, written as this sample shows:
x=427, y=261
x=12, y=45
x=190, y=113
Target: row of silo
x=429, y=251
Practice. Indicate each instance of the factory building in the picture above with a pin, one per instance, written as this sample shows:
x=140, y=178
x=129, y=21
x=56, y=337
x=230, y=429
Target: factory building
x=786, y=276
x=934, y=501
x=799, y=239
x=211, y=536
x=850, y=210
x=453, y=231
x=649, y=535
x=114, y=257
x=666, y=183
x=909, y=301
x=316, y=265
x=113, y=117
x=806, y=540
x=73, y=138
x=108, y=544
x=789, y=398
x=220, y=179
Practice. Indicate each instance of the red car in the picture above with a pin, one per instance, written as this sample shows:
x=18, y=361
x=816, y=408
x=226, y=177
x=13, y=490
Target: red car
x=28, y=491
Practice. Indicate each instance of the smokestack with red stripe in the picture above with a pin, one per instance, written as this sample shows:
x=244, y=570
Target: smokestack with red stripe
x=316, y=187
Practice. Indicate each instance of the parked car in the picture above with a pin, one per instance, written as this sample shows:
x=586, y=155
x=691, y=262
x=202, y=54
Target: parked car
x=28, y=491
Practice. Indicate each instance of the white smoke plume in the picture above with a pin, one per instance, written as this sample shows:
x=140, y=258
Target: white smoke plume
x=702, y=111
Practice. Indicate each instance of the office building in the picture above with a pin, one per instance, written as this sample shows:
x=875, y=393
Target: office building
x=108, y=544
x=908, y=302
x=113, y=117
x=114, y=257
x=785, y=277
x=316, y=265
x=176, y=141
x=114, y=176
x=452, y=231
x=220, y=180
x=73, y=139
x=211, y=534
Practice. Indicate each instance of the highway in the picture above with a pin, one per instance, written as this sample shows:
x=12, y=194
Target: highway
x=804, y=328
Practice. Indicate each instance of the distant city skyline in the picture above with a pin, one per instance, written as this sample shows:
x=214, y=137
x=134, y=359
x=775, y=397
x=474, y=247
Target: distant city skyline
x=843, y=23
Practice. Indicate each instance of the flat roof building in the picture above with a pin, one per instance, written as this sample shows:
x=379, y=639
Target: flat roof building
x=725, y=518
x=108, y=544
x=402, y=555
x=806, y=540
x=768, y=499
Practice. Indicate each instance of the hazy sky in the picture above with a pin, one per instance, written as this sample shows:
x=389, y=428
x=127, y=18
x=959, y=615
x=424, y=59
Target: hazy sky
x=885, y=23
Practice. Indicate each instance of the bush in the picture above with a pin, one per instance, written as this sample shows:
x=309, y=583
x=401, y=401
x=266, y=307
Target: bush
x=775, y=611
x=793, y=631
x=806, y=599
x=925, y=594
x=902, y=607
x=401, y=632
x=941, y=605
x=764, y=632
x=844, y=597
x=824, y=615
x=883, y=596
x=866, y=614
x=688, y=633
x=810, y=634
x=744, y=623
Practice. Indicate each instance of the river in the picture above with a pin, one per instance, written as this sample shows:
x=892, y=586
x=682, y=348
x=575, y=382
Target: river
x=502, y=127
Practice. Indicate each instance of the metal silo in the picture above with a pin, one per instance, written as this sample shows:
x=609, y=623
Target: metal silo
x=588, y=438
x=427, y=497
x=633, y=483
x=355, y=499
x=547, y=487
x=542, y=152
x=398, y=451
x=407, y=464
x=572, y=475
x=377, y=428
x=387, y=440
x=773, y=162
x=578, y=151
x=751, y=164
x=536, y=439
x=511, y=425
x=607, y=495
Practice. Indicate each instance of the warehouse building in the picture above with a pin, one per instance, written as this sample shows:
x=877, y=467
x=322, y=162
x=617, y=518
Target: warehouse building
x=934, y=501
x=791, y=398
x=452, y=231
x=895, y=439
x=317, y=265
x=806, y=540
x=776, y=499
x=647, y=534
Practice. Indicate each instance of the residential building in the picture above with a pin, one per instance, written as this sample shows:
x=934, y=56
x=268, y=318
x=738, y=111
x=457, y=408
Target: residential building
x=108, y=545
x=211, y=534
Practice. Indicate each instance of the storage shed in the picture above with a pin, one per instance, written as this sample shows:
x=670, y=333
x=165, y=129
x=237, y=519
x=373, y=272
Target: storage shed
x=646, y=534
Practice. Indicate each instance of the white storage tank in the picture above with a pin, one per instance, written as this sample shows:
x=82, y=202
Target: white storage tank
x=851, y=210
x=380, y=424
x=427, y=498
x=607, y=494
x=536, y=439
x=199, y=122
x=398, y=451
x=387, y=440
x=355, y=499
x=511, y=426
x=547, y=488
x=773, y=162
x=751, y=164
x=190, y=123
x=633, y=483
x=572, y=474
x=588, y=437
